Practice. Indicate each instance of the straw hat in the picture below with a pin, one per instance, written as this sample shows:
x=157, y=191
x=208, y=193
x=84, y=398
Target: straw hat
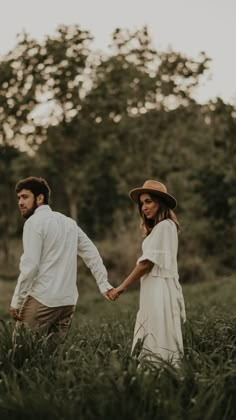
x=156, y=188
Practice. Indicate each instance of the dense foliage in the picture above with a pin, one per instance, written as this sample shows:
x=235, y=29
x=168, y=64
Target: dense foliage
x=97, y=125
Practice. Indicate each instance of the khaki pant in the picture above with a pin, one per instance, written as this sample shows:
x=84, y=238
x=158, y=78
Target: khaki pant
x=44, y=319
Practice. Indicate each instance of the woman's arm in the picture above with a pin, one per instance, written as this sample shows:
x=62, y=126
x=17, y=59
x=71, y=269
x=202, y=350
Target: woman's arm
x=141, y=268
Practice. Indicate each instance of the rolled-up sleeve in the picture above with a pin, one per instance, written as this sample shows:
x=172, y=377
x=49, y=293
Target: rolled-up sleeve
x=91, y=257
x=29, y=263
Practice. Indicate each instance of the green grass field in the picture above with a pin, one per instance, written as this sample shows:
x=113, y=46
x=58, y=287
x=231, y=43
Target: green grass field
x=93, y=376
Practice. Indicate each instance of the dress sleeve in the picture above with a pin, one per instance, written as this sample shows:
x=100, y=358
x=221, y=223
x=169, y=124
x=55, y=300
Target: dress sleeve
x=160, y=247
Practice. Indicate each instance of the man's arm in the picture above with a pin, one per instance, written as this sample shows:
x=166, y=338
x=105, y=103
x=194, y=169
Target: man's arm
x=91, y=257
x=29, y=264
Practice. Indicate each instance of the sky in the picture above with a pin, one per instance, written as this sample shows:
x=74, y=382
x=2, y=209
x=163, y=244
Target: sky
x=186, y=26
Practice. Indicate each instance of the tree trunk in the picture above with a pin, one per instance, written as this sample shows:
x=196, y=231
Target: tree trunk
x=73, y=208
x=5, y=251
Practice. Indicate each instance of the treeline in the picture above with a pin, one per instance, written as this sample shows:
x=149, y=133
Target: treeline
x=97, y=125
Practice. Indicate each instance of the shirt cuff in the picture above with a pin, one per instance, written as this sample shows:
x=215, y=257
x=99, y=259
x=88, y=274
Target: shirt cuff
x=15, y=303
x=105, y=287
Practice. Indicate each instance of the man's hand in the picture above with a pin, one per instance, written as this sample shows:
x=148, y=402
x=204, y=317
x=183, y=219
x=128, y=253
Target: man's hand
x=15, y=314
x=107, y=294
x=112, y=294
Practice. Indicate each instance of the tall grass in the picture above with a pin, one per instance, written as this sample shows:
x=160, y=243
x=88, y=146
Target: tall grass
x=93, y=376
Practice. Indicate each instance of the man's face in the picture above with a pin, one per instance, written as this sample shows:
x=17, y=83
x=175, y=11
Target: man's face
x=27, y=203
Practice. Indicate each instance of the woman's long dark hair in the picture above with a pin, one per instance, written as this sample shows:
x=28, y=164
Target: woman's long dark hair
x=163, y=212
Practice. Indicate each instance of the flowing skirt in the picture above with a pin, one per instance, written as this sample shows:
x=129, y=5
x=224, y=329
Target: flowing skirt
x=159, y=319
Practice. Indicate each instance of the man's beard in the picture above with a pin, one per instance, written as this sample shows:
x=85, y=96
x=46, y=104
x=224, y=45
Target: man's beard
x=32, y=210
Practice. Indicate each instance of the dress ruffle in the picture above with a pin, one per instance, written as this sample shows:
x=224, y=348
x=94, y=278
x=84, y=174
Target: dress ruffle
x=162, y=259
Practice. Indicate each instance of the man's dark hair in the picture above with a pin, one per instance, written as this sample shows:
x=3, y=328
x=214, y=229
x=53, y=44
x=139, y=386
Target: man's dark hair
x=36, y=185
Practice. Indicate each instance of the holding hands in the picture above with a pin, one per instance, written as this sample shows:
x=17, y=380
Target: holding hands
x=140, y=269
x=114, y=293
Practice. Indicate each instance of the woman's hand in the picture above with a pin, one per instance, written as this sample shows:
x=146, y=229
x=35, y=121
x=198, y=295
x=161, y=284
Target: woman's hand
x=115, y=293
x=120, y=289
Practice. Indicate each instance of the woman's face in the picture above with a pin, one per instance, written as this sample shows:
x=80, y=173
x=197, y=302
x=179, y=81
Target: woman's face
x=148, y=206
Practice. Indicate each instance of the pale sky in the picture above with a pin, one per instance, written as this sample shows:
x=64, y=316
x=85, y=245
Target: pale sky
x=187, y=26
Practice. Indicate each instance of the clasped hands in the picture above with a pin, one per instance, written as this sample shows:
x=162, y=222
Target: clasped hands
x=113, y=294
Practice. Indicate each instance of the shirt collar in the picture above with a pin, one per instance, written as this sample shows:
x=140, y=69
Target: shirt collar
x=42, y=208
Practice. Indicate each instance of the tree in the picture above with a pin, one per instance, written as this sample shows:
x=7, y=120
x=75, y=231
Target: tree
x=217, y=179
x=10, y=165
x=131, y=97
x=34, y=75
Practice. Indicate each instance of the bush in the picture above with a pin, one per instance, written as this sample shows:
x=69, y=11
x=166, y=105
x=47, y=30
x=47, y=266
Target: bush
x=194, y=270
x=121, y=250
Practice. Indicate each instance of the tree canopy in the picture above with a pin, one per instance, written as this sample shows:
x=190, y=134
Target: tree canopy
x=96, y=125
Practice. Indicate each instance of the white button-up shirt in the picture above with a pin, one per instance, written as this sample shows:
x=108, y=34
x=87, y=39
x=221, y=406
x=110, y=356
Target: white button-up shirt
x=48, y=266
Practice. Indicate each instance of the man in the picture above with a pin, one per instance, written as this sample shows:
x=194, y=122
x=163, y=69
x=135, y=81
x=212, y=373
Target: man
x=46, y=292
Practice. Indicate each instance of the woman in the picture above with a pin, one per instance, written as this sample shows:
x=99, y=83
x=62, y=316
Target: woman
x=158, y=323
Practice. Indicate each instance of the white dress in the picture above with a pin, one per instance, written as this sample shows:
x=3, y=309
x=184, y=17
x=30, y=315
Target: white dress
x=161, y=310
